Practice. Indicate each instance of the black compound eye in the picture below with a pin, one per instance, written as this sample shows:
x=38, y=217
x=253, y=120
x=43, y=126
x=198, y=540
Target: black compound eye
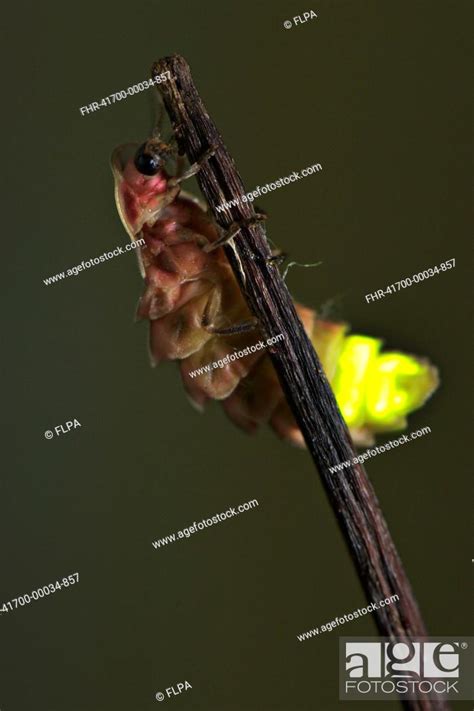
x=145, y=162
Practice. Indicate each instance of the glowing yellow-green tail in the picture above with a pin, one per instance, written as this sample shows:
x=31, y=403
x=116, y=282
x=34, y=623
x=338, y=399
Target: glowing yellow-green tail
x=375, y=391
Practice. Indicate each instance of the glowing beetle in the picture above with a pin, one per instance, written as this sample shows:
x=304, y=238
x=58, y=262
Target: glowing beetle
x=197, y=315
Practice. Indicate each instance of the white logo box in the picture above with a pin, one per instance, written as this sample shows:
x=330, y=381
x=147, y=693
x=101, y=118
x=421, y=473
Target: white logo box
x=378, y=668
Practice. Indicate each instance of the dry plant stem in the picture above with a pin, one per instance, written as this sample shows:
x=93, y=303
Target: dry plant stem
x=299, y=370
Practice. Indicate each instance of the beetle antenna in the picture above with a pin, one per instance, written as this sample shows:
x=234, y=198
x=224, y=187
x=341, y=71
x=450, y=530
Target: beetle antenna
x=158, y=114
x=297, y=264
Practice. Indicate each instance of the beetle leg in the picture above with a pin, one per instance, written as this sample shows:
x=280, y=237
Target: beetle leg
x=210, y=310
x=210, y=313
x=226, y=236
x=180, y=163
x=187, y=235
x=159, y=115
x=278, y=257
x=193, y=169
x=234, y=230
x=242, y=327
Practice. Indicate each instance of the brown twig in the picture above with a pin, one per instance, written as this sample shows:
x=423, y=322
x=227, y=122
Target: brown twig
x=299, y=369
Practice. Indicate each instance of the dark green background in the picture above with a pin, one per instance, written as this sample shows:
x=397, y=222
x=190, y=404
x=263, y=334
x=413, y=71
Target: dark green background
x=378, y=93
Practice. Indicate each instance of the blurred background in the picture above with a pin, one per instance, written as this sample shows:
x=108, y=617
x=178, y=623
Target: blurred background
x=378, y=94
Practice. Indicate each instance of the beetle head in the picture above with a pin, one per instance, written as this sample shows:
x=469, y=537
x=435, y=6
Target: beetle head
x=151, y=156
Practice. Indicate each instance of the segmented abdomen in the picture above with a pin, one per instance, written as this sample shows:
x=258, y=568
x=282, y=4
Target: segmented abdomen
x=184, y=284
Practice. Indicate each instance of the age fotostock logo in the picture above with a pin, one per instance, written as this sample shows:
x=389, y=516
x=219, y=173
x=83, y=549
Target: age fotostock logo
x=420, y=667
